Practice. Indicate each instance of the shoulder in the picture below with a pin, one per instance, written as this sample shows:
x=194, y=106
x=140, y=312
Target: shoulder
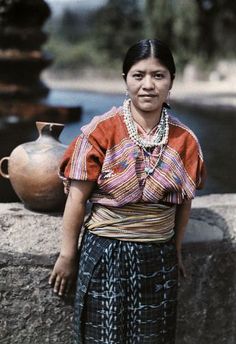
x=103, y=123
x=181, y=136
x=181, y=128
x=107, y=130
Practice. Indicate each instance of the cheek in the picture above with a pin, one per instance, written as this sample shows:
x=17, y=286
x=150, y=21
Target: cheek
x=132, y=84
x=132, y=87
x=164, y=89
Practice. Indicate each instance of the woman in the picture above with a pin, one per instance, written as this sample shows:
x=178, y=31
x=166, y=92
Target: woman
x=139, y=166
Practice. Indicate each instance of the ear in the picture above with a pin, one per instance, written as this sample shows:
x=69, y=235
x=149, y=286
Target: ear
x=171, y=84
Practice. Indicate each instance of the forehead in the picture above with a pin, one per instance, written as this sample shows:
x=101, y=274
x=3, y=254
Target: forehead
x=149, y=64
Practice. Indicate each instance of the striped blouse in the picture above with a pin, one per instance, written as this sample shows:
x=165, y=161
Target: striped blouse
x=105, y=154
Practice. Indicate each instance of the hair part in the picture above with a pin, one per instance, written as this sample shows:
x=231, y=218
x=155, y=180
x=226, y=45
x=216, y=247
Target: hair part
x=145, y=49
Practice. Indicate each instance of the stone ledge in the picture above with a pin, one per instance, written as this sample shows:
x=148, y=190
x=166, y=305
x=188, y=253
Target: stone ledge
x=24, y=231
x=31, y=313
x=212, y=219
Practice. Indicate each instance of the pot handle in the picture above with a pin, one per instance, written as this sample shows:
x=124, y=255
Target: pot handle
x=5, y=175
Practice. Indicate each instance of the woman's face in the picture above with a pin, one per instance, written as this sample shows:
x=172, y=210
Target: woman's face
x=148, y=83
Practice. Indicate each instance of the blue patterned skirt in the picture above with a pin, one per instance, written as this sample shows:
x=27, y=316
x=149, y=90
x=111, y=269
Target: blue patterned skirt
x=126, y=292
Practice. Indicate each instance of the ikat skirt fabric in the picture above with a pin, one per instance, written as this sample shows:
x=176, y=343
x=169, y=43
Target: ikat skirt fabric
x=126, y=292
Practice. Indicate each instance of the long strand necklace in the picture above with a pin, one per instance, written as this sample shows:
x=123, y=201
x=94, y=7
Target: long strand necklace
x=148, y=168
x=160, y=138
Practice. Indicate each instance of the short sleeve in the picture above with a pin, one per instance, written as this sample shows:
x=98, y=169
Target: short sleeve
x=82, y=160
x=194, y=164
x=200, y=173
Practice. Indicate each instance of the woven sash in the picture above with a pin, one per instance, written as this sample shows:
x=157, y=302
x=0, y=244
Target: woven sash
x=138, y=222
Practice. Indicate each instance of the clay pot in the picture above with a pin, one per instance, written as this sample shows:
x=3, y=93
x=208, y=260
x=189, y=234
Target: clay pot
x=33, y=169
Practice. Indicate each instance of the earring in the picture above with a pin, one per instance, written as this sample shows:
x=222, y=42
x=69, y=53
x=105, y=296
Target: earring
x=168, y=99
x=126, y=94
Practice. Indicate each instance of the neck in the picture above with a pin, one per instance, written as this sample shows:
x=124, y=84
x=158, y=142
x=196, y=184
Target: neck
x=146, y=119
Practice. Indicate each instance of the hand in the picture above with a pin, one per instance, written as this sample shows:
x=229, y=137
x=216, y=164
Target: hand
x=181, y=267
x=63, y=274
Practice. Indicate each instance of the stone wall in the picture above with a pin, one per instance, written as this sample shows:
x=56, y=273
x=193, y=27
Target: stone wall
x=31, y=313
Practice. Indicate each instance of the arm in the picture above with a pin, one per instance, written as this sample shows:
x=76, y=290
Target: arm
x=64, y=271
x=181, y=221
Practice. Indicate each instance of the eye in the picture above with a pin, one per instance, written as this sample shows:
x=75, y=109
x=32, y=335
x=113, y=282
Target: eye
x=137, y=76
x=159, y=76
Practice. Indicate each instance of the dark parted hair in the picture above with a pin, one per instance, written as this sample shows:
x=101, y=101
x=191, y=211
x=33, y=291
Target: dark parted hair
x=149, y=48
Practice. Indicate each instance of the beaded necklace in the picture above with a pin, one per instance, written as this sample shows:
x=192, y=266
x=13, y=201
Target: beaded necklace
x=160, y=138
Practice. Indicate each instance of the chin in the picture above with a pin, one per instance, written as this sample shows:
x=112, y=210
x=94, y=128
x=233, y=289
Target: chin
x=149, y=107
x=146, y=106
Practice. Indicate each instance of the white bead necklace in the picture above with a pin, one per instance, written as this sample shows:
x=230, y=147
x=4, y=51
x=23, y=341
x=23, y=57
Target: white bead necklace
x=160, y=138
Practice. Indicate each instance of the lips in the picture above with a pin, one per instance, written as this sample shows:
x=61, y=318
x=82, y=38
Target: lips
x=148, y=95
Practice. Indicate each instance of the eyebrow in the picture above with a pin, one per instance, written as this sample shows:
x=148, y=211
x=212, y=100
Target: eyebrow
x=155, y=71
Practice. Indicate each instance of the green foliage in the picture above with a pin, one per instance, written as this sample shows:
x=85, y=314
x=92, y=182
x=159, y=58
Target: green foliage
x=197, y=31
x=117, y=25
x=69, y=29
x=174, y=22
x=216, y=24
x=185, y=32
x=158, y=19
x=75, y=56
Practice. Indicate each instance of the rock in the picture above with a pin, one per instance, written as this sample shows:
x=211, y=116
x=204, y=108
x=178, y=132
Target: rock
x=31, y=313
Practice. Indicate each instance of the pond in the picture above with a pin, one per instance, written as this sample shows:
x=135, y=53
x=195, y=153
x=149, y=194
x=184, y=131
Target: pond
x=215, y=132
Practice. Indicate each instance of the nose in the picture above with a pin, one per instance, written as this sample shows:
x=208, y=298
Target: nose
x=148, y=82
